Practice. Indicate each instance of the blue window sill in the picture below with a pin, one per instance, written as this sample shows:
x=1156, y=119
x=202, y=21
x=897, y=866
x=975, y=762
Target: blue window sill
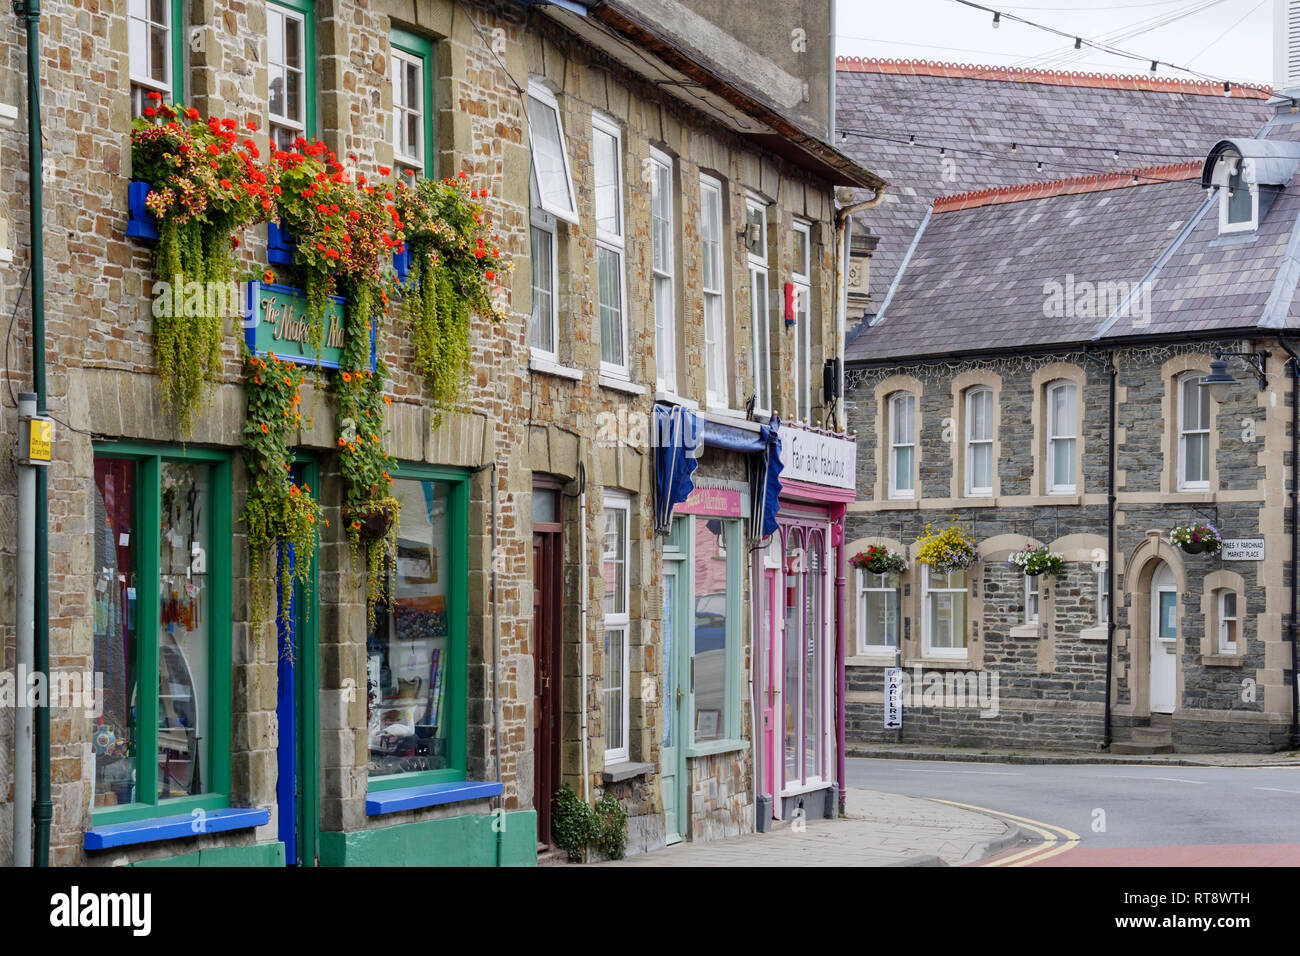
x=171, y=828
x=429, y=795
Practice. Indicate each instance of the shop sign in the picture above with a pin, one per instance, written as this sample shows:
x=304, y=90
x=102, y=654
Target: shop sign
x=276, y=321
x=1243, y=549
x=893, y=698
x=719, y=502
x=818, y=457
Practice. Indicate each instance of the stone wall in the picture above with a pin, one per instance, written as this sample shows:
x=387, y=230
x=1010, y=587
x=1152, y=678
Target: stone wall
x=1052, y=675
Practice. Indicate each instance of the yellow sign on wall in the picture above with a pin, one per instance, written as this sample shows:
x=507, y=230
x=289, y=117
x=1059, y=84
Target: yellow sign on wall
x=40, y=444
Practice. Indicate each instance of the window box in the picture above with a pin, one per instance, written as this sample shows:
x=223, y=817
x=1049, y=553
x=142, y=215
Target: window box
x=141, y=224
x=402, y=263
x=279, y=245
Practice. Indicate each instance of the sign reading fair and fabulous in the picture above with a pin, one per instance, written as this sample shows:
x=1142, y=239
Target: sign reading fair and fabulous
x=277, y=322
x=818, y=457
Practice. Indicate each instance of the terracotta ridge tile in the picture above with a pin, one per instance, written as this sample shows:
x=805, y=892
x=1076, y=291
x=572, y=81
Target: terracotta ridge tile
x=1097, y=182
x=1012, y=74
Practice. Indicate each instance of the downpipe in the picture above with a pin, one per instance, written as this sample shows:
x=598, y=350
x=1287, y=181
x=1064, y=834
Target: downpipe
x=1295, y=534
x=30, y=11
x=25, y=620
x=843, y=228
x=1108, y=364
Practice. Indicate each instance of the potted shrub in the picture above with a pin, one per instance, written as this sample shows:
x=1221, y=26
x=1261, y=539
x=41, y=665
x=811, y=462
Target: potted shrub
x=947, y=550
x=879, y=560
x=1034, y=561
x=1197, y=538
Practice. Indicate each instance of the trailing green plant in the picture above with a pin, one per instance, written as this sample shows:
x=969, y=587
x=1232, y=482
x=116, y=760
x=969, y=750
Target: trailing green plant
x=455, y=262
x=278, y=514
x=371, y=514
x=574, y=825
x=206, y=187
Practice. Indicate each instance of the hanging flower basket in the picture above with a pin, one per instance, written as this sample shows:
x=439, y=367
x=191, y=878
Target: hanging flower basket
x=881, y=560
x=1034, y=561
x=947, y=550
x=1197, y=538
x=371, y=519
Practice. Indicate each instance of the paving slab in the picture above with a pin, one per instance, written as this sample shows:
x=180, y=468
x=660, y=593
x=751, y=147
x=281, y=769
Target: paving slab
x=879, y=829
x=990, y=755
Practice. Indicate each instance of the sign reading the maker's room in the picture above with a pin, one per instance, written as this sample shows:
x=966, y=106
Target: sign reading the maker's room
x=276, y=321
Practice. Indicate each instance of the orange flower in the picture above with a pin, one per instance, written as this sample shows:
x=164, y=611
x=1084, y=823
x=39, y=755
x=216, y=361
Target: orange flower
x=268, y=276
x=293, y=490
x=265, y=430
x=388, y=400
x=327, y=522
x=347, y=376
x=356, y=526
x=341, y=442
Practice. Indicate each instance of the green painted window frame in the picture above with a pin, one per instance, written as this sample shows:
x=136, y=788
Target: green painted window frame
x=148, y=511
x=308, y=10
x=457, y=482
x=737, y=554
x=176, y=28
x=421, y=48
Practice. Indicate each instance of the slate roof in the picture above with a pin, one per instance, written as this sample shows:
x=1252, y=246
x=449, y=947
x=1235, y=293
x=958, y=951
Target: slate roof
x=977, y=112
x=976, y=278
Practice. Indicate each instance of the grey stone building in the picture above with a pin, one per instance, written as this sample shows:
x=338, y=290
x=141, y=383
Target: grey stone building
x=1033, y=375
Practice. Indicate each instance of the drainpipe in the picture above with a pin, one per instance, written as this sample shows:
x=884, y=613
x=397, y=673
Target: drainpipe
x=843, y=228
x=1108, y=364
x=30, y=10
x=582, y=637
x=1295, y=533
x=841, y=609
x=26, y=630
x=496, y=655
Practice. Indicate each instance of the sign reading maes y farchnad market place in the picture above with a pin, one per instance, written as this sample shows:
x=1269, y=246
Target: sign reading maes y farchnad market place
x=277, y=322
x=818, y=457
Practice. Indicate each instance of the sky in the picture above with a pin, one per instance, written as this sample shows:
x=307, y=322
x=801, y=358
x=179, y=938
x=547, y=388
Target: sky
x=1227, y=39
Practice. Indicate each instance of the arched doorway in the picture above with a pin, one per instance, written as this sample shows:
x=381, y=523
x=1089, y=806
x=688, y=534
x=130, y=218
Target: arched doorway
x=1163, y=675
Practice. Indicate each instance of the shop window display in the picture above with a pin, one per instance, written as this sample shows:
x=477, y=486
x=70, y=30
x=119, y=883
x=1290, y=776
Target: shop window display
x=407, y=651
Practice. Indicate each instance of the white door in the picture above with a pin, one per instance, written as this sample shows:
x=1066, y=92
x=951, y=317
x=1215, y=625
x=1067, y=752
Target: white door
x=1164, y=641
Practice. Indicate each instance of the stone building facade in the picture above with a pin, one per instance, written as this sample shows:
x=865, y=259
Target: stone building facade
x=991, y=408
x=545, y=442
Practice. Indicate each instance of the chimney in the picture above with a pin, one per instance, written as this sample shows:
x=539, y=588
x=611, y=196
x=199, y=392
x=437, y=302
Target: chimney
x=1286, y=45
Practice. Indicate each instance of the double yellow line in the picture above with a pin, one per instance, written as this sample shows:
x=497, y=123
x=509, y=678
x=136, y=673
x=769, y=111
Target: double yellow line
x=1054, y=839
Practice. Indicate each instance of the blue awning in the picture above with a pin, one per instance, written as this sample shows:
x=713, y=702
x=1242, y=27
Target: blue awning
x=732, y=438
x=677, y=445
x=765, y=482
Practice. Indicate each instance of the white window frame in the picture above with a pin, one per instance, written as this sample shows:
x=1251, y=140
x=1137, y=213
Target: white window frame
x=539, y=92
x=973, y=490
x=1249, y=225
x=1053, y=486
x=144, y=80
x=760, y=313
x=403, y=59
x=544, y=223
x=294, y=127
x=801, y=280
x=612, y=242
x=895, y=444
x=1033, y=599
x=664, y=275
x=717, y=379
x=927, y=622
x=1220, y=599
x=1180, y=384
x=877, y=584
x=617, y=501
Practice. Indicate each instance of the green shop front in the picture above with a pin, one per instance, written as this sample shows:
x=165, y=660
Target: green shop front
x=220, y=742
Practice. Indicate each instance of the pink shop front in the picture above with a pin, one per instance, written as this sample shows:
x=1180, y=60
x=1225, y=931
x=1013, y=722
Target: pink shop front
x=800, y=588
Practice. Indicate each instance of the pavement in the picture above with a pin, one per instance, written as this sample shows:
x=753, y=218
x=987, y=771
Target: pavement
x=880, y=829
x=983, y=755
